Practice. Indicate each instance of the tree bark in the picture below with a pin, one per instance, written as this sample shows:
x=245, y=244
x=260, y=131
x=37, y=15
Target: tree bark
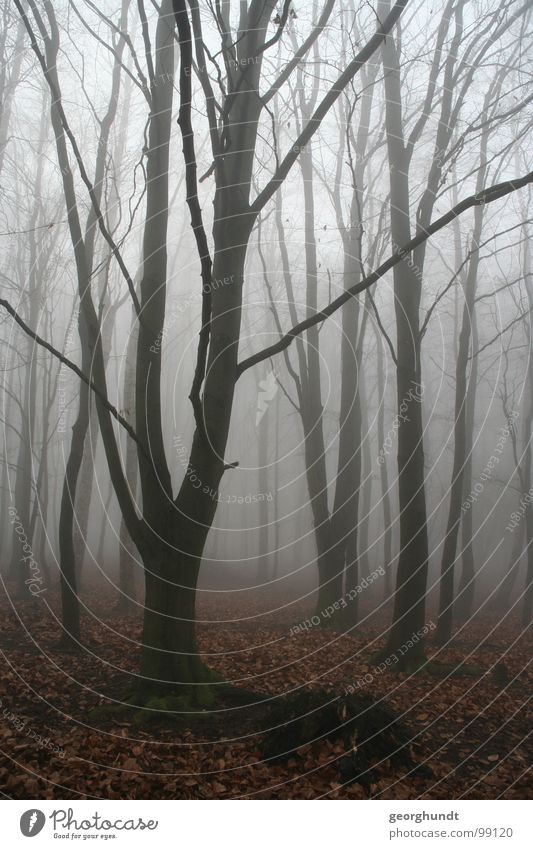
x=409, y=603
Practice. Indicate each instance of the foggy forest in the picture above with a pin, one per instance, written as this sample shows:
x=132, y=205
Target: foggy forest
x=266, y=399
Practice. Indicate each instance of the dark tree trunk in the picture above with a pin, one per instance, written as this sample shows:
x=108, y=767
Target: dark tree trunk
x=463, y=399
x=411, y=581
x=384, y=478
x=527, y=607
x=128, y=553
x=465, y=595
x=170, y=659
x=70, y=606
x=505, y=592
x=263, y=567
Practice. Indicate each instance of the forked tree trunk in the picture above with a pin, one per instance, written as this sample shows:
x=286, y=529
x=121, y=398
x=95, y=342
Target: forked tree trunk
x=170, y=658
x=171, y=534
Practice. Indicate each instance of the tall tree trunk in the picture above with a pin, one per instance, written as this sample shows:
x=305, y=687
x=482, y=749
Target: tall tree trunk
x=70, y=607
x=384, y=477
x=128, y=553
x=410, y=608
x=309, y=398
x=107, y=316
x=409, y=602
x=7, y=405
x=330, y=567
x=527, y=487
x=527, y=607
x=276, y=504
x=462, y=401
x=466, y=591
x=24, y=470
x=504, y=594
x=67, y=545
x=9, y=86
x=170, y=655
x=263, y=562
x=366, y=488
x=93, y=361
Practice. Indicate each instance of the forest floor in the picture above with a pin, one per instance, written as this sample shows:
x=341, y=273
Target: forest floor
x=469, y=730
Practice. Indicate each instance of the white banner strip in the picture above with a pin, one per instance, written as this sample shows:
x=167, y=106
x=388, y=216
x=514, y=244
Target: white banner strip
x=268, y=824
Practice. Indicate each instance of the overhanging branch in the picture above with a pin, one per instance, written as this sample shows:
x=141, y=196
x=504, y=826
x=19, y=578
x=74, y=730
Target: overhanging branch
x=73, y=367
x=488, y=195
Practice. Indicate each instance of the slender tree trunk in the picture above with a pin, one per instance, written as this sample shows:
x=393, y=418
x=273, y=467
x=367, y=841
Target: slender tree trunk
x=101, y=550
x=384, y=477
x=527, y=607
x=70, y=607
x=466, y=592
x=89, y=328
x=366, y=488
x=9, y=87
x=409, y=602
x=504, y=595
x=307, y=383
x=128, y=553
x=345, y=515
x=276, y=504
x=263, y=563
x=330, y=566
x=444, y=627
x=460, y=455
x=85, y=487
x=24, y=470
x=7, y=405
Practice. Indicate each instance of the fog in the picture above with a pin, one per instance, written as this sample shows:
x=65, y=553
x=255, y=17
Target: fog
x=184, y=185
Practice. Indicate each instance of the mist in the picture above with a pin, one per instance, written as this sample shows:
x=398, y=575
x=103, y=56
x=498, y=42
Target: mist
x=266, y=381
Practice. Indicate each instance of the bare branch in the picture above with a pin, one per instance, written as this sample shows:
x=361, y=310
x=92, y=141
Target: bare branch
x=56, y=99
x=301, y=52
x=488, y=195
x=73, y=367
x=325, y=105
x=279, y=32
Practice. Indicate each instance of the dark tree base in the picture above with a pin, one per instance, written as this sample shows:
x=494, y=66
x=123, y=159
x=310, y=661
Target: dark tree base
x=369, y=730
